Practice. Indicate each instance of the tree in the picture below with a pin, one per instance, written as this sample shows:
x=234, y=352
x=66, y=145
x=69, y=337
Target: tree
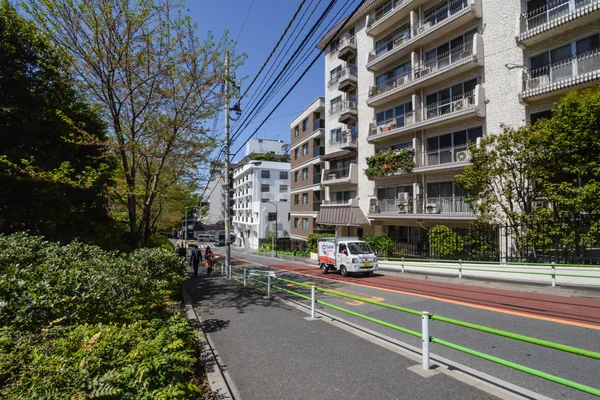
x=381, y=243
x=445, y=243
x=54, y=172
x=157, y=85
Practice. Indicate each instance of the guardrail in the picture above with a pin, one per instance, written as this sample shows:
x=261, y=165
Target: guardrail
x=425, y=334
x=404, y=263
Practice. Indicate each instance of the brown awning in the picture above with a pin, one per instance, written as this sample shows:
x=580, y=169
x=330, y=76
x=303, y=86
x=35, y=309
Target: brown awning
x=342, y=215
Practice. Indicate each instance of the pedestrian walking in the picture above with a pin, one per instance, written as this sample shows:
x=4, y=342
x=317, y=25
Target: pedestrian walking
x=209, y=261
x=195, y=260
x=181, y=251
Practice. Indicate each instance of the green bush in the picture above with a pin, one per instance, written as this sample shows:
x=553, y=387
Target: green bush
x=381, y=243
x=312, y=240
x=445, y=243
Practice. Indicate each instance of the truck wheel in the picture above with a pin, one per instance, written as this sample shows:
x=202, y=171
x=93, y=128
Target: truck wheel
x=343, y=271
x=367, y=273
x=324, y=269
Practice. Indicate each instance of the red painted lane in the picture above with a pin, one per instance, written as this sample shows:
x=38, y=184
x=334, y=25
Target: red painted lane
x=568, y=309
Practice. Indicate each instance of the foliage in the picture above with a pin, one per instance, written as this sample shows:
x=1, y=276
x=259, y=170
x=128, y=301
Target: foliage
x=270, y=156
x=481, y=246
x=54, y=172
x=155, y=82
x=148, y=359
x=285, y=233
x=390, y=162
x=381, y=243
x=312, y=240
x=444, y=242
x=302, y=253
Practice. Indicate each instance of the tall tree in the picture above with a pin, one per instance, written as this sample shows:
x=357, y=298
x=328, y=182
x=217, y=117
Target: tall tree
x=53, y=171
x=157, y=82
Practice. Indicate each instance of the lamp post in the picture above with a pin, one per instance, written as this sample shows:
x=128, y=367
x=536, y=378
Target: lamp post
x=276, y=219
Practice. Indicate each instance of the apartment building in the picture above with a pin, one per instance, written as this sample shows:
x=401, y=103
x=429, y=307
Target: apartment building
x=424, y=78
x=261, y=192
x=307, y=138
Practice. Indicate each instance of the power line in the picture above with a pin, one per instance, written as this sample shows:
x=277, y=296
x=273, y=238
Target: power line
x=244, y=23
x=305, y=72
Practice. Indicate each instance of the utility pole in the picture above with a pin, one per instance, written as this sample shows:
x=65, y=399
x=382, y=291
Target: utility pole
x=186, y=228
x=227, y=173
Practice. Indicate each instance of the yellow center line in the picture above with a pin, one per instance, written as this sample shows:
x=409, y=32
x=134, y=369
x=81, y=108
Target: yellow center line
x=457, y=302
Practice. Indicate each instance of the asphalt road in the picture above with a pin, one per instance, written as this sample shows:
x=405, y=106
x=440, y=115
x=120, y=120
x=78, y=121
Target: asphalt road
x=577, y=368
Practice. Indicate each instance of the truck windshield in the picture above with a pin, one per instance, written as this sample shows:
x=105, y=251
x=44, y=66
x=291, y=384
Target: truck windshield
x=359, y=248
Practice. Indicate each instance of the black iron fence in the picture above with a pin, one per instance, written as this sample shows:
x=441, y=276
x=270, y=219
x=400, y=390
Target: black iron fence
x=574, y=241
x=284, y=244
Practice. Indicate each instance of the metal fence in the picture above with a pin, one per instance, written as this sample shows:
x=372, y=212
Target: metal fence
x=574, y=241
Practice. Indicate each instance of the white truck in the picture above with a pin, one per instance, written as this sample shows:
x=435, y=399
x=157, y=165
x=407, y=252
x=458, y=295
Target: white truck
x=347, y=255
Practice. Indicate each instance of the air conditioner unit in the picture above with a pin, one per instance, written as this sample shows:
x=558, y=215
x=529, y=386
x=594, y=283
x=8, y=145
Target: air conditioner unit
x=458, y=105
x=402, y=208
x=332, y=177
x=463, y=156
x=432, y=208
x=374, y=206
x=423, y=71
x=401, y=80
x=403, y=198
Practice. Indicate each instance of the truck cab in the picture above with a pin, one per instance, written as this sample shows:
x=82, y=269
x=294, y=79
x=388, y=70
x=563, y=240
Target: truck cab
x=347, y=255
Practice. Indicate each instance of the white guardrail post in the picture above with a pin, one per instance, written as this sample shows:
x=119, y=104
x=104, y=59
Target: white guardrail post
x=245, y=277
x=553, y=274
x=402, y=264
x=313, y=301
x=269, y=286
x=460, y=268
x=425, y=338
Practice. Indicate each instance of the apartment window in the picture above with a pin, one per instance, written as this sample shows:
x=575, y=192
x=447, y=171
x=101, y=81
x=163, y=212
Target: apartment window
x=334, y=75
x=272, y=217
x=283, y=188
x=342, y=197
x=305, y=125
x=264, y=188
x=296, y=176
x=296, y=222
x=305, y=198
x=535, y=117
x=305, y=149
x=450, y=52
x=451, y=147
x=335, y=105
x=397, y=116
x=296, y=199
x=443, y=10
x=305, y=174
x=305, y=224
x=335, y=44
x=446, y=100
x=336, y=135
x=566, y=61
x=296, y=131
x=283, y=175
x=265, y=173
x=296, y=153
x=392, y=40
x=392, y=77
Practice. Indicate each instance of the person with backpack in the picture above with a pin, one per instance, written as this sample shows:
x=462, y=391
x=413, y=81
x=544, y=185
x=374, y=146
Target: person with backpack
x=209, y=261
x=195, y=260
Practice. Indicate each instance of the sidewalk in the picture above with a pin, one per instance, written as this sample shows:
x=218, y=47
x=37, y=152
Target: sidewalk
x=270, y=350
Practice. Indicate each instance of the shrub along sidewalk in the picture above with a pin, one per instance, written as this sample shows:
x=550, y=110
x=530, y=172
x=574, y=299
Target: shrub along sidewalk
x=80, y=322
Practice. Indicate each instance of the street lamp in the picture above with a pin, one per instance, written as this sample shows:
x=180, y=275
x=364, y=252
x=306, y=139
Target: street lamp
x=276, y=219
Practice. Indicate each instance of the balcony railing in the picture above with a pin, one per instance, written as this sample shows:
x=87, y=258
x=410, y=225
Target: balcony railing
x=347, y=46
x=390, y=44
x=377, y=16
x=393, y=123
x=446, y=58
x=316, y=179
x=456, y=103
x=575, y=67
x=318, y=124
x=552, y=11
x=348, y=106
x=337, y=173
x=347, y=72
x=318, y=151
x=389, y=84
x=448, y=155
x=340, y=175
x=438, y=15
x=335, y=108
x=447, y=205
x=455, y=205
x=334, y=79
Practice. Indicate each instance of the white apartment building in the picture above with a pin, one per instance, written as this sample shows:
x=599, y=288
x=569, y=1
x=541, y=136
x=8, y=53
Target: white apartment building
x=261, y=194
x=429, y=76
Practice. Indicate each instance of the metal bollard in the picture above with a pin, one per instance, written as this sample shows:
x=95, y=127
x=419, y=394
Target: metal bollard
x=313, y=302
x=269, y=286
x=245, y=277
x=402, y=264
x=460, y=268
x=425, y=338
x=553, y=275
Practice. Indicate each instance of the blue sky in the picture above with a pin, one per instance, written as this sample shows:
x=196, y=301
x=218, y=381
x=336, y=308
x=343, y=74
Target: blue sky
x=265, y=24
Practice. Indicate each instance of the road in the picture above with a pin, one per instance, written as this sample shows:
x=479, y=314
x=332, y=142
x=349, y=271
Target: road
x=566, y=320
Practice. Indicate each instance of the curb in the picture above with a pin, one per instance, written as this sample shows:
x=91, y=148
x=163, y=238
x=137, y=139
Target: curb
x=220, y=382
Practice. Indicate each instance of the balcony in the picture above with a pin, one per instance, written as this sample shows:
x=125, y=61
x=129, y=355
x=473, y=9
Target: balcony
x=347, y=47
x=556, y=17
x=573, y=73
x=455, y=62
x=348, y=79
x=432, y=27
x=415, y=208
x=340, y=176
x=467, y=105
x=316, y=179
x=318, y=151
x=318, y=124
x=379, y=22
x=348, y=112
x=442, y=159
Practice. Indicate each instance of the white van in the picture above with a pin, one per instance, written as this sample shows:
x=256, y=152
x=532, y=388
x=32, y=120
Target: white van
x=206, y=237
x=347, y=255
